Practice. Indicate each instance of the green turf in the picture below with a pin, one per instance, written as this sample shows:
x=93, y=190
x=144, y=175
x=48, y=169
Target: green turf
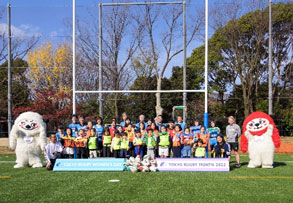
x=40, y=185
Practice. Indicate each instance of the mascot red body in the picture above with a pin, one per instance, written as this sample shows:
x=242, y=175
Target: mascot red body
x=260, y=137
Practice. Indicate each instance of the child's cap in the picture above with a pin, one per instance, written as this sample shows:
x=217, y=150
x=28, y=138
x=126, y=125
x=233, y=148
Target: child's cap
x=124, y=134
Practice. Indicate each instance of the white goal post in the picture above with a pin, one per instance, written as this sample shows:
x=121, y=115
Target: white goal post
x=184, y=91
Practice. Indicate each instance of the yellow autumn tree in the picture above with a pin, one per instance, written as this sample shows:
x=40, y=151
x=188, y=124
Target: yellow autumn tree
x=51, y=67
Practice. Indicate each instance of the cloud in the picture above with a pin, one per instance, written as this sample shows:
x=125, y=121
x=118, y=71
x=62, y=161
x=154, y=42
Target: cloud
x=21, y=32
x=53, y=34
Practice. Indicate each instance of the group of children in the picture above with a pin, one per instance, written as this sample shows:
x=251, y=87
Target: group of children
x=153, y=138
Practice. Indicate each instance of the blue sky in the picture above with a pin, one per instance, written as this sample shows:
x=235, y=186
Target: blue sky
x=46, y=18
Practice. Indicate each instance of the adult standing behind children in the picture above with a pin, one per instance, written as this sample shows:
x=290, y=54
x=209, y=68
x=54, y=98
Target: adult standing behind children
x=141, y=120
x=82, y=124
x=100, y=131
x=124, y=117
x=52, y=151
x=180, y=122
x=73, y=126
x=233, y=133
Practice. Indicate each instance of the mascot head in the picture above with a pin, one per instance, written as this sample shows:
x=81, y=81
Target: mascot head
x=257, y=124
x=29, y=123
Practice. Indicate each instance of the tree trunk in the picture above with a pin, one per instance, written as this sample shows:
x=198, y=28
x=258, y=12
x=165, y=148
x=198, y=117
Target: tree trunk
x=159, y=109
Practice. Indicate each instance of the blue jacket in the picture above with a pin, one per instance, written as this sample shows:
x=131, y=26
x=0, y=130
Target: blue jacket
x=218, y=147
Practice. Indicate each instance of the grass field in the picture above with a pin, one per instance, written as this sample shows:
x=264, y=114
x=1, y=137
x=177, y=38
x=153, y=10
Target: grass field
x=239, y=185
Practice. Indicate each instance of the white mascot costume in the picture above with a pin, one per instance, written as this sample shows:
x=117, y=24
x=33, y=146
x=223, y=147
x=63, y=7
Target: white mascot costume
x=260, y=136
x=28, y=139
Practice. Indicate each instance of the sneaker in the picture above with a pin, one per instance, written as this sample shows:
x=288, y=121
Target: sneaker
x=238, y=166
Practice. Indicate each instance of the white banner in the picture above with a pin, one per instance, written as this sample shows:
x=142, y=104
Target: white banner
x=194, y=164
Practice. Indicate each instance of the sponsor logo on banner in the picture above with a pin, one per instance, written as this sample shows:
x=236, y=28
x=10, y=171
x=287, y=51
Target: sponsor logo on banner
x=196, y=164
x=102, y=164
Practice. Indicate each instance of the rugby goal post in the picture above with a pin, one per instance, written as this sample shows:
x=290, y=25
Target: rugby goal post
x=101, y=91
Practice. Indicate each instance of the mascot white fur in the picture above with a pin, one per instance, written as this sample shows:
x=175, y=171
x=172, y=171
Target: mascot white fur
x=260, y=136
x=28, y=139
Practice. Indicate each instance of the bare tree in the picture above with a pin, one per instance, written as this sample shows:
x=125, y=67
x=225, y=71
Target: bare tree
x=118, y=49
x=165, y=23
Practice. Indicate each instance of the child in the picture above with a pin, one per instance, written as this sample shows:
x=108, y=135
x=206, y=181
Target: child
x=150, y=143
x=214, y=132
x=200, y=151
x=93, y=144
x=113, y=128
x=116, y=145
x=124, y=146
x=186, y=141
x=195, y=129
x=164, y=141
x=60, y=133
x=89, y=127
x=127, y=123
x=80, y=144
x=149, y=123
x=100, y=131
x=176, y=142
x=138, y=142
x=53, y=151
x=130, y=135
x=221, y=149
x=171, y=129
x=68, y=143
x=120, y=130
x=107, y=140
x=142, y=128
x=205, y=138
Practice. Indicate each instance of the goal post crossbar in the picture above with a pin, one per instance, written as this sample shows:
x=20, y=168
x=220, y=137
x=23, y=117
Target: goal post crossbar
x=138, y=91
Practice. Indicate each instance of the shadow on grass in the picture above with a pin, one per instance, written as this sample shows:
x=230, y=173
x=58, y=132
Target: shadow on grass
x=233, y=165
x=243, y=164
x=279, y=164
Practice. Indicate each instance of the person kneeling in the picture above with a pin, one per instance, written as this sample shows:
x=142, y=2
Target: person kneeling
x=52, y=152
x=221, y=149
